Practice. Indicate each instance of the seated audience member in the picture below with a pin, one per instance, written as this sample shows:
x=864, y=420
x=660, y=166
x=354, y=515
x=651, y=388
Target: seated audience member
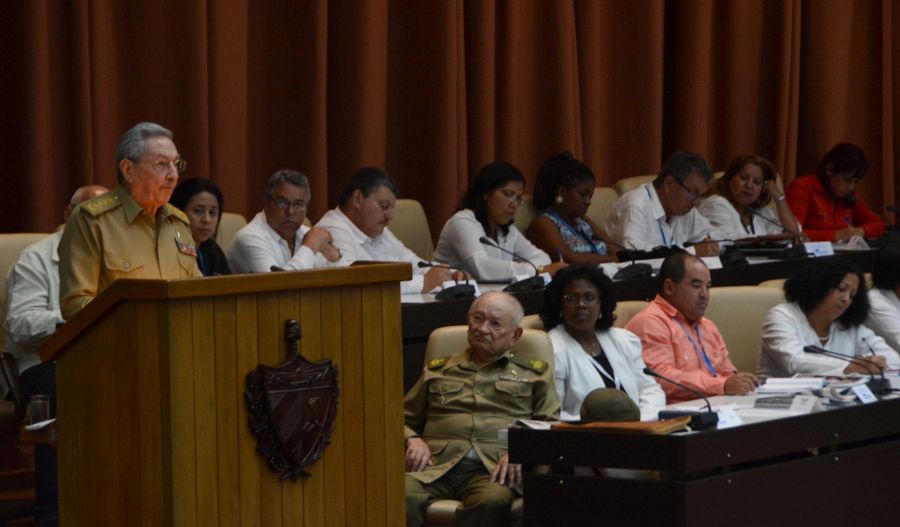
x=563, y=192
x=884, y=298
x=678, y=342
x=202, y=201
x=488, y=210
x=737, y=208
x=359, y=227
x=456, y=410
x=662, y=213
x=827, y=304
x=578, y=313
x=32, y=314
x=276, y=237
x=824, y=202
x=131, y=232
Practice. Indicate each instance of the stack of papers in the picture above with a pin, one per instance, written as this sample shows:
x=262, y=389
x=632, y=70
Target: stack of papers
x=791, y=385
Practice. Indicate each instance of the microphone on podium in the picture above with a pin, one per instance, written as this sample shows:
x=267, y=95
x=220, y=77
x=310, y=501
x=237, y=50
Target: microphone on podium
x=699, y=420
x=529, y=284
x=878, y=386
x=465, y=290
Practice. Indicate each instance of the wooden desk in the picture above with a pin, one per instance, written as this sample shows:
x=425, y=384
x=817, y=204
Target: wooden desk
x=420, y=319
x=836, y=467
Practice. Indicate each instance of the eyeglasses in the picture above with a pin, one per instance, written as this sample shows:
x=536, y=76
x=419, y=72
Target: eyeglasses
x=512, y=197
x=284, y=204
x=695, y=196
x=589, y=299
x=162, y=166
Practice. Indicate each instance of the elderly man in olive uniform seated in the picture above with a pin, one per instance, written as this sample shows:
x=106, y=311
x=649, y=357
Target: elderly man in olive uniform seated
x=456, y=409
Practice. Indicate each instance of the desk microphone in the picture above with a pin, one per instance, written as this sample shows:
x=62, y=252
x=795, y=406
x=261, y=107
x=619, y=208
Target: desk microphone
x=699, y=420
x=634, y=270
x=878, y=386
x=275, y=269
x=465, y=290
x=529, y=284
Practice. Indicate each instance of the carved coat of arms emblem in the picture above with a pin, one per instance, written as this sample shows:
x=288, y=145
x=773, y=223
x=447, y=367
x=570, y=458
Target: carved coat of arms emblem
x=292, y=408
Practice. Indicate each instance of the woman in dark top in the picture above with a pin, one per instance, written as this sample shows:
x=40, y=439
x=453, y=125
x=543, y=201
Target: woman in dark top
x=202, y=201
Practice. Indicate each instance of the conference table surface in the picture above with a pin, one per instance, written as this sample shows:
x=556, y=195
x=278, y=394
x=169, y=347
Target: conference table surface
x=422, y=314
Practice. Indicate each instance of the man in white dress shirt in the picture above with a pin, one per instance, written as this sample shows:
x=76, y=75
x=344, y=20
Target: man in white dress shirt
x=359, y=228
x=276, y=238
x=663, y=213
x=32, y=314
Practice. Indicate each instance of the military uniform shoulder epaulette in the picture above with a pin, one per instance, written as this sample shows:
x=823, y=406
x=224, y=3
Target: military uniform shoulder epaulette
x=101, y=204
x=434, y=364
x=178, y=213
x=535, y=365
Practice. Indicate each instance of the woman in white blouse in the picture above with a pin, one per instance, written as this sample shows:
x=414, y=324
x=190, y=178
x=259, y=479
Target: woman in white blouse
x=578, y=314
x=737, y=208
x=827, y=304
x=884, y=317
x=487, y=211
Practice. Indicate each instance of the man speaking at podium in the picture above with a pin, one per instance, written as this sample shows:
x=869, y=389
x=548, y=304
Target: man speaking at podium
x=131, y=232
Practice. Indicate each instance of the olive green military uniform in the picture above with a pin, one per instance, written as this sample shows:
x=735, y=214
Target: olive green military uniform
x=111, y=237
x=455, y=407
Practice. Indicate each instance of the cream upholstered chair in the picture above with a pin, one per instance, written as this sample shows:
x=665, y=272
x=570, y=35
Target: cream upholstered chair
x=777, y=283
x=230, y=223
x=449, y=340
x=410, y=226
x=603, y=200
x=738, y=312
x=533, y=322
x=629, y=183
x=525, y=213
x=627, y=309
x=11, y=246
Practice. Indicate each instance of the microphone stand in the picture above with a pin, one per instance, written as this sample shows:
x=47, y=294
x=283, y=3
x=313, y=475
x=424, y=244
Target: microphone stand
x=529, y=284
x=793, y=253
x=465, y=290
x=699, y=420
x=878, y=386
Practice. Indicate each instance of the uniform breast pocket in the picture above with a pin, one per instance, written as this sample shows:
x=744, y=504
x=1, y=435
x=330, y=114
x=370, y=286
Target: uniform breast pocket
x=442, y=392
x=122, y=265
x=187, y=263
x=515, y=394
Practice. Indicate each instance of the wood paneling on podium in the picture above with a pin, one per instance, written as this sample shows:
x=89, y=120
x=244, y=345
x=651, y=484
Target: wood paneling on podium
x=152, y=420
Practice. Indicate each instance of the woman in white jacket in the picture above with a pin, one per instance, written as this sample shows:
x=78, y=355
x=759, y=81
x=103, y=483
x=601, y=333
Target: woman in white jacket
x=578, y=314
x=884, y=317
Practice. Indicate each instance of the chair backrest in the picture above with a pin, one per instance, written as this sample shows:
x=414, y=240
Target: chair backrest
x=777, y=283
x=603, y=200
x=626, y=309
x=410, y=226
x=526, y=212
x=449, y=340
x=11, y=246
x=629, y=183
x=738, y=311
x=230, y=223
x=533, y=322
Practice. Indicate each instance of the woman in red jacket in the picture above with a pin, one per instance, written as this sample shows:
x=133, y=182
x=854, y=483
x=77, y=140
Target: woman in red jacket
x=824, y=202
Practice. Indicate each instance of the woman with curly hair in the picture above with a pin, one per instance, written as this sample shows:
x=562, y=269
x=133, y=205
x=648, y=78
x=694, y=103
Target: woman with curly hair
x=578, y=314
x=827, y=304
x=562, y=193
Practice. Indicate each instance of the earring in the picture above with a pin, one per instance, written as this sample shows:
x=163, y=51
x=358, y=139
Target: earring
x=559, y=200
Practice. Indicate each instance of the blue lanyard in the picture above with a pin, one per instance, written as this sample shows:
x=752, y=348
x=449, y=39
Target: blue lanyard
x=701, y=351
x=662, y=233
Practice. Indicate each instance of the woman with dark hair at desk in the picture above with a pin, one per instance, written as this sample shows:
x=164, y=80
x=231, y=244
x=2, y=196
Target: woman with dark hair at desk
x=487, y=211
x=563, y=192
x=737, y=207
x=824, y=202
x=884, y=317
x=202, y=201
x=578, y=313
x=827, y=304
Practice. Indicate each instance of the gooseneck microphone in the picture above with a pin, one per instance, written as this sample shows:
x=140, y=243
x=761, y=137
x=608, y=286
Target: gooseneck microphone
x=465, y=290
x=529, y=284
x=878, y=386
x=754, y=212
x=699, y=420
x=634, y=270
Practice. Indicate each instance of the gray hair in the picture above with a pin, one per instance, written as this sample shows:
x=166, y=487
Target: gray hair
x=131, y=144
x=291, y=177
x=515, y=307
x=682, y=164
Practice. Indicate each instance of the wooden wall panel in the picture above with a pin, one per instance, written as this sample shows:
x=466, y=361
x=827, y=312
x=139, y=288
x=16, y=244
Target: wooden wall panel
x=372, y=355
x=229, y=410
x=292, y=512
x=181, y=389
x=355, y=497
x=205, y=432
x=333, y=459
x=270, y=349
x=392, y=351
x=250, y=464
x=313, y=504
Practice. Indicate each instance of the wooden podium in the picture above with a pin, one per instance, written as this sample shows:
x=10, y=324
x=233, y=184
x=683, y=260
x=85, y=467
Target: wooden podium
x=150, y=399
